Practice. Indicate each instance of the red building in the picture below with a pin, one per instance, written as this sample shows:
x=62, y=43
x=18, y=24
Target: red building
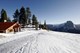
x=7, y=27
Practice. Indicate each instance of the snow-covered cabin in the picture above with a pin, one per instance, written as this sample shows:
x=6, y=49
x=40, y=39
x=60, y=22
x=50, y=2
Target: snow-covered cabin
x=6, y=27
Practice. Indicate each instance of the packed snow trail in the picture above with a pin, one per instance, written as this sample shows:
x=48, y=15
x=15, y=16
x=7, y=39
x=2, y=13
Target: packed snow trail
x=43, y=42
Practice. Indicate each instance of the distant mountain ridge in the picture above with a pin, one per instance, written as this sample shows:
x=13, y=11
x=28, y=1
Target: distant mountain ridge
x=68, y=26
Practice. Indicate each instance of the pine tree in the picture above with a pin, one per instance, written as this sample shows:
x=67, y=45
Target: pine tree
x=40, y=25
x=45, y=26
x=16, y=16
x=29, y=21
x=28, y=15
x=22, y=16
x=35, y=21
x=3, y=15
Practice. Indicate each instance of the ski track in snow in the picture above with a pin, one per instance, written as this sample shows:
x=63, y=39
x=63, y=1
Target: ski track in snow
x=43, y=42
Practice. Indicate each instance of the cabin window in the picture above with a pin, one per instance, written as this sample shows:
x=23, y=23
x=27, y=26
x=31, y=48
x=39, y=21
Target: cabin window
x=10, y=30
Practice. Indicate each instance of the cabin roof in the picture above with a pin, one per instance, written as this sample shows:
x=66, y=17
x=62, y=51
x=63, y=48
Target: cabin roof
x=5, y=25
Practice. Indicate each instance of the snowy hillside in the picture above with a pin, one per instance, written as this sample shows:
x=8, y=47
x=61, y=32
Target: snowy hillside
x=68, y=26
x=41, y=41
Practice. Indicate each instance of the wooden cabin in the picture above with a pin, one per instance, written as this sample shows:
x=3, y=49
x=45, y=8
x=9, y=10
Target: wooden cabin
x=7, y=27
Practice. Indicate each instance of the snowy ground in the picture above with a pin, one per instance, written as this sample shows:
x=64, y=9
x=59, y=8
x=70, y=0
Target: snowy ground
x=41, y=41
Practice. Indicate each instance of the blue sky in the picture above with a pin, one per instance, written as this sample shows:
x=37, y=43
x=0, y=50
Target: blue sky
x=53, y=11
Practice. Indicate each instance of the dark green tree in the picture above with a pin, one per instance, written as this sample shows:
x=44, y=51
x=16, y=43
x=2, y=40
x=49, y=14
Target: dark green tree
x=22, y=10
x=35, y=21
x=16, y=16
x=45, y=26
x=22, y=17
x=28, y=15
x=29, y=21
x=3, y=16
x=40, y=25
x=14, y=20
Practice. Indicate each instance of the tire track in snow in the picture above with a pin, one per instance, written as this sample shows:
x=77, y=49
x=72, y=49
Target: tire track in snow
x=31, y=47
x=27, y=48
x=17, y=46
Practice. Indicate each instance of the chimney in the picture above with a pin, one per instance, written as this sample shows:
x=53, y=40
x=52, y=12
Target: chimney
x=5, y=20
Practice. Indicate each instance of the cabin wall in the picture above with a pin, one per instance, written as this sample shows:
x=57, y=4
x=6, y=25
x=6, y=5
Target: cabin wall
x=10, y=29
